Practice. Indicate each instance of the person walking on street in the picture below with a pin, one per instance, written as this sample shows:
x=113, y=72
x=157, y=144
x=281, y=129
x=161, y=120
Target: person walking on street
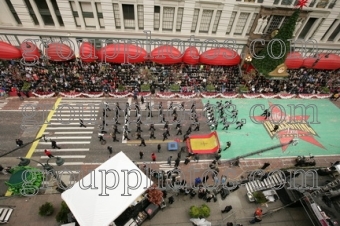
x=139, y=136
x=81, y=122
x=228, y=144
x=196, y=157
x=109, y=148
x=169, y=160
x=159, y=148
x=142, y=99
x=101, y=137
x=152, y=134
x=126, y=137
x=177, y=162
x=152, y=127
x=153, y=157
x=54, y=144
x=48, y=153
x=141, y=154
x=165, y=136
x=114, y=137
x=142, y=142
x=19, y=142
x=179, y=131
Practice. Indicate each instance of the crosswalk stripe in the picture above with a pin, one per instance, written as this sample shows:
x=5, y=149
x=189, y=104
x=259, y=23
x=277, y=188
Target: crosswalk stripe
x=72, y=132
x=66, y=156
x=82, y=100
x=75, y=110
x=69, y=138
x=65, y=122
x=64, y=149
x=67, y=142
x=75, y=115
x=64, y=127
x=69, y=128
x=3, y=104
x=65, y=164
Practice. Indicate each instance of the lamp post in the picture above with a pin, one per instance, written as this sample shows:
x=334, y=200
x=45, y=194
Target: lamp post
x=248, y=60
x=59, y=161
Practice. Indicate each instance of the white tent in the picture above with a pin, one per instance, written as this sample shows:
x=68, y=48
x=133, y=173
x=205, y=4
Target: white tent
x=93, y=203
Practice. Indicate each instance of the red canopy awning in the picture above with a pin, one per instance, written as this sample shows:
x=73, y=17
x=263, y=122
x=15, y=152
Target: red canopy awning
x=122, y=53
x=220, y=57
x=323, y=61
x=59, y=52
x=9, y=52
x=166, y=54
x=294, y=60
x=30, y=51
x=87, y=52
x=191, y=56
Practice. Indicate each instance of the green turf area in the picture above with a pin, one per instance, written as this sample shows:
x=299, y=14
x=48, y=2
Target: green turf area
x=317, y=139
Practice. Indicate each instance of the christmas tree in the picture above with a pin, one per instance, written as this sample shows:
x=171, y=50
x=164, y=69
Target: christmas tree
x=268, y=63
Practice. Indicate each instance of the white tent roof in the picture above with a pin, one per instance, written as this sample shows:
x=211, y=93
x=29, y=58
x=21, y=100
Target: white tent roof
x=90, y=206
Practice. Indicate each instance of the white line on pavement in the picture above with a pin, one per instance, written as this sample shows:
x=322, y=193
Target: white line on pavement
x=66, y=156
x=64, y=149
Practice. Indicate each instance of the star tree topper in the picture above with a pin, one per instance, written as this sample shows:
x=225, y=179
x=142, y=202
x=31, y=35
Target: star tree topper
x=302, y=3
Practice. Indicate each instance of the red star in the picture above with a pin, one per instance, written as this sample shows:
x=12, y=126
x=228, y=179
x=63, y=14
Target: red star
x=302, y=3
x=288, y=134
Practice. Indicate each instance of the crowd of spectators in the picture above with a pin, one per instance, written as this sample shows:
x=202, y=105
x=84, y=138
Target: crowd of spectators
x=77, y=76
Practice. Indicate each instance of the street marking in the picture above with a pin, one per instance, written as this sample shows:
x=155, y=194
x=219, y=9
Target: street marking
x=66, y=156
x=3, y=104
x=66, y=164
x=40, y=133
x=69, y=138
x=73, y=132
x=68, y=128
x=68, y=142
x=64, y=149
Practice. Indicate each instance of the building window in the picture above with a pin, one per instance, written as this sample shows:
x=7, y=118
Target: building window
x=317, y=28
x=231, y=22
x=307, y=28
x=217, y=21
x=12, y=39
x=179, y=20
x=249, y=0
x=87, y=12
x=251, y=23
x=100, y=15
x=329, y=28
x=75, y=13
x=206, y=20
x=334, y=34
x=14, y=13
x=57, y=12
x=140, y=10
x=168, y=18
x=274, y=24
x=285, y=20
x=44, y=12
x=31, y=12
x=312, y=3
x=157, y=17
x=117, y=15
x=332, y=4
x=129, y=16
x=195, y=20
x=322, y=4
x=286, y=2
x=241, y=23
x=276, y=2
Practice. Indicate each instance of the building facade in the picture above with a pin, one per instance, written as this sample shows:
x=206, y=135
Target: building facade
x=239, y=20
